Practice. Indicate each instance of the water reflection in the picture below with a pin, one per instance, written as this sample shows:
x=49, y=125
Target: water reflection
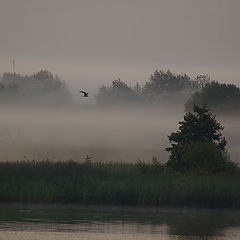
x=171, y=223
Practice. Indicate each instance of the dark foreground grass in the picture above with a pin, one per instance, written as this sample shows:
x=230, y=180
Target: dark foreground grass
x=114, y=183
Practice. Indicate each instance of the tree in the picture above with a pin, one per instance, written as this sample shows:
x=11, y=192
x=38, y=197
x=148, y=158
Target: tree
x=166, y=85
x=220, y=97
x=42, y=87
x=202, y=80
x=46, y=82
x=162, y=86
x=118, y=92
x=198, y=144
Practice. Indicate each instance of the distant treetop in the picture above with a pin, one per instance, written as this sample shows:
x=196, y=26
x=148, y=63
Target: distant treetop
x=220, y=97
x=161, y=86
x=42, y=86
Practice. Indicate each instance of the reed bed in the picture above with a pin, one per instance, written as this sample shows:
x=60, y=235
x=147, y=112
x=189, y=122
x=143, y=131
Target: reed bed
x=114, y=183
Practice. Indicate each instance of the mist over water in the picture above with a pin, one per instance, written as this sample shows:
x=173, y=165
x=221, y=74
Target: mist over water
x=106, y=134
x=123, y=133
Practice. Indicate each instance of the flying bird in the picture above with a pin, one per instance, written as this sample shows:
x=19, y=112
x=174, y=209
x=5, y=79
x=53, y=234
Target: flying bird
x=85, y=94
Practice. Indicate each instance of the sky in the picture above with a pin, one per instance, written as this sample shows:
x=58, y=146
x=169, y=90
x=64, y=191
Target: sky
x=92, y=42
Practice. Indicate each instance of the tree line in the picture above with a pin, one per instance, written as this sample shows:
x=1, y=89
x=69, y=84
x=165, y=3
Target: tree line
x=161, y=87
x=164, y=87
x=198, y=144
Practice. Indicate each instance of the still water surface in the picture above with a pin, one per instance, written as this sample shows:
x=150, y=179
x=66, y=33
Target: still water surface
x=41, y=222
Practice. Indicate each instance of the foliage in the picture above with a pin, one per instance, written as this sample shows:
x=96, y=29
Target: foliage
x=113, y=183
x=205, y=157
x=154, y=166
x=118, y=92
x=201, y=80
x=161, y=86
x=218, y=97
x=41, y=86
x=166, y=84
x=198, y=133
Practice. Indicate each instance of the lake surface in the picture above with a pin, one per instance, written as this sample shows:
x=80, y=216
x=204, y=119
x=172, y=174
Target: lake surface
x=41, y=222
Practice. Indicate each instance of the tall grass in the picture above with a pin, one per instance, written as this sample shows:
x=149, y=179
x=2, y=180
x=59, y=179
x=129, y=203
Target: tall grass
x=114, y=183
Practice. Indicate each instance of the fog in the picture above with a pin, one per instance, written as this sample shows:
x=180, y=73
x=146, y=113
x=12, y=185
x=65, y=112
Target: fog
x=90, y=42
x=122, y=134
x=126, y=133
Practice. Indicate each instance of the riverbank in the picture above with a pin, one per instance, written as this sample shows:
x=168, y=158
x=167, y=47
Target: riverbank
x=114, y=183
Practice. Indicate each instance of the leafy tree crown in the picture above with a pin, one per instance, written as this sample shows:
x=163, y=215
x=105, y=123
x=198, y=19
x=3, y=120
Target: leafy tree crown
x=198, y=143
x=199, y=126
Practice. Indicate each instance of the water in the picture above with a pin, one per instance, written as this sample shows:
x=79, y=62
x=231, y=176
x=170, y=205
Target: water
x=41, y=222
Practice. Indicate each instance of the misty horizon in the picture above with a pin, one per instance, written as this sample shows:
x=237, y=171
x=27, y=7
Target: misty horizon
x=89, y=43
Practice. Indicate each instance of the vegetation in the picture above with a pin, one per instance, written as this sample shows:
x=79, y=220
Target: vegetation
x=198, y=145
x=160, y=87
x=119, y=183
x=166, y=85
x=118, y=92
x=43, y=87
x=196, y=174
x=219, y=97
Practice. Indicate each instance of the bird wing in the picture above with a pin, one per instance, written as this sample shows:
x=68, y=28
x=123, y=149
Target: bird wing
x=83, y=92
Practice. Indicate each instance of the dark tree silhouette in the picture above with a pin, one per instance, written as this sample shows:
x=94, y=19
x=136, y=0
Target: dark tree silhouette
x=166, y=85
x=198, y=144
x=220, y=97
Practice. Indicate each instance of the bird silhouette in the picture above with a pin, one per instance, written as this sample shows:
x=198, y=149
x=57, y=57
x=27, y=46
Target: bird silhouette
x=85, y=94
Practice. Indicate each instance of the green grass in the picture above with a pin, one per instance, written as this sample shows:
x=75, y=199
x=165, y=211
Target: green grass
x=114, y=183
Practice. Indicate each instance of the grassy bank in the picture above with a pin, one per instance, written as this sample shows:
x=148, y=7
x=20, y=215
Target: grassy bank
x=118, y=183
